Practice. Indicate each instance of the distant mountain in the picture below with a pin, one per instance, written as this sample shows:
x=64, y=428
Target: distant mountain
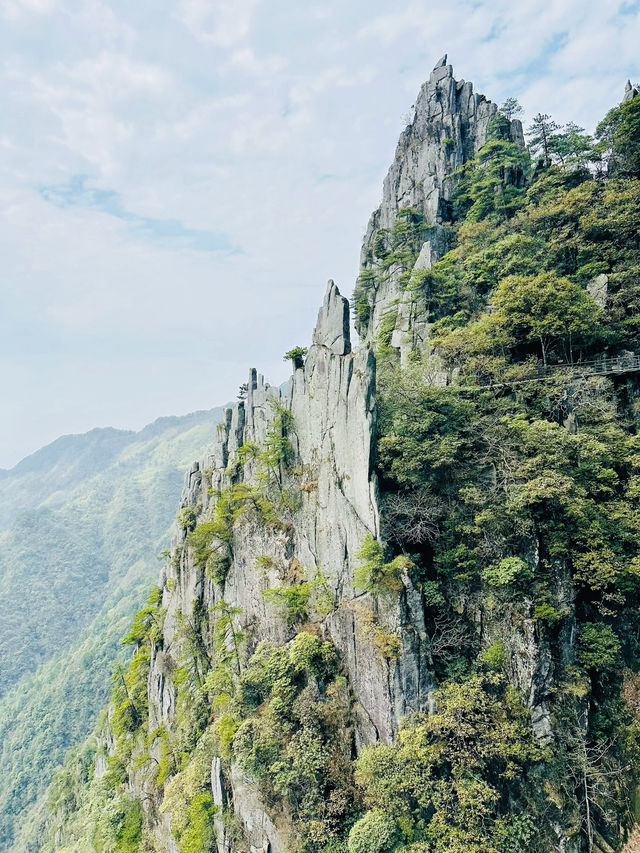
x=81, y=523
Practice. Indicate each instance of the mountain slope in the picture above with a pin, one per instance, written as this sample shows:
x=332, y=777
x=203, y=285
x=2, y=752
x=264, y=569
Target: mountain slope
x=401, y=609
x=84, y=520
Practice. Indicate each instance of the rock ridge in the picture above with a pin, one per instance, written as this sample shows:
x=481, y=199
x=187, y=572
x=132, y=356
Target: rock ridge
x=448, y=128
x=331, y=401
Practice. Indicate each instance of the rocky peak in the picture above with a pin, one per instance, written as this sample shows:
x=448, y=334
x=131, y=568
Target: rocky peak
x=449, y=126
x=630, y=91
x=332, y=328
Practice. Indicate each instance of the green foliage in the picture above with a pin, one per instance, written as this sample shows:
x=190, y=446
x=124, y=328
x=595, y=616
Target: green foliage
x=199, y=834
x=147, y=623
x=385, y=331
x=462, y=779
x=568, y=145
x=394, y=253
x=598, y=647
x=187, y=518
x=292, y=600
x=166, y=764
x=387, y=643
x=510, y=570
x=375, y=832
x=295, y=736
x=494, y=657
x=374, y=574
x=541, y=135
x=187, y=798
x=511, y=108
x=128, y=829
x=88, y=558
x=421, y=438
x=277, y=447
x=210, y=541
x=492, y=183
x=619, y=138
x=548, y=309
x=296, y=355
x=129, y=695
x=529, y=495
x=298, y=601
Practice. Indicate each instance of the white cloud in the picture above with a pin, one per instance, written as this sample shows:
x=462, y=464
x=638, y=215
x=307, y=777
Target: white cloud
x=272, y=123
x=95, y=102
x=16, y=9
x=218, y=21
x=246, y=60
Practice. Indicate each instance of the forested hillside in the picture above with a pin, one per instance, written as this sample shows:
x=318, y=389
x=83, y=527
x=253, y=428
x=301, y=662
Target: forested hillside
x=83, y=521
x=401, y=609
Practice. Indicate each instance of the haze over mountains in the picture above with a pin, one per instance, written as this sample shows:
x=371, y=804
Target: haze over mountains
x=81, y=524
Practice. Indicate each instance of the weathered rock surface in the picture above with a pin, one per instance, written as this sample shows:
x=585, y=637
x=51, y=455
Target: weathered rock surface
x=332, y=328
x=333, y=491
x=332, y=402
x=598, y=289
x=449, y=127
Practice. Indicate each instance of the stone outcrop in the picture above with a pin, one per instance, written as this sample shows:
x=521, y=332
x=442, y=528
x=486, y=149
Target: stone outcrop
x=598, y=289
x=332, y=329
x=449, y=126
x=630, y=91
x=331, y=400
x=332, y=493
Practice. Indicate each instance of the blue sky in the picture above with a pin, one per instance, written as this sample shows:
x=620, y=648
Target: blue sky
x=180, y=177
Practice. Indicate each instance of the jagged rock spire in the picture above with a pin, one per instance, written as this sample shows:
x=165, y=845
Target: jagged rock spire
x=332, y=328
x=450, y=125
x=630, y=91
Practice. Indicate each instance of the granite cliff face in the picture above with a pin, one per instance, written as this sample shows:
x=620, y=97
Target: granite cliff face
x=449, y=126
x=333, y=495
x=334, y=506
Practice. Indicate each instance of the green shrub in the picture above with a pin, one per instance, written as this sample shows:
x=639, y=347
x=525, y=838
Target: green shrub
x=225, y=727
x=598, y=647
x=374, y=574
x=166, y=763
x=494, y=657
x=293, y=736
x=546, y=613
x=199, y=834
x=310, y=654
x=510, y=570
x=292, y=600
x=453, y=775
x=218, y=565
x=375, y=832
x=296, y=355
x=187, y=518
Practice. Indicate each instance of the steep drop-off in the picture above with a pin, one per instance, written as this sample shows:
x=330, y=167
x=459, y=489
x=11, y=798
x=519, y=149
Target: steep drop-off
x=81, y=524
x=400, y=612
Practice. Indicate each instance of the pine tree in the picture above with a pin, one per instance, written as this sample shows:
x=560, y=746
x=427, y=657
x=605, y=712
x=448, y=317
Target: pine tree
x=511, y=109
x=541, y=134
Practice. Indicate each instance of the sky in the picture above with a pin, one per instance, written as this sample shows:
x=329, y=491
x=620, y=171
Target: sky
x=179, y=178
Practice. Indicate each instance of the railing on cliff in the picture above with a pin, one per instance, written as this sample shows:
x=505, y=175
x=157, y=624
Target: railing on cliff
x=601, y=366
